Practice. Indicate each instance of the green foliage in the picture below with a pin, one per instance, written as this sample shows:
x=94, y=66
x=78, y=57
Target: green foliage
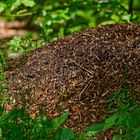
x=58, y=18
x=2, y=62
x=60, y=120
x=51, y=20
x=64, y=134
x=15, y=44
x=24, y=45
x=3, y=65
x=16, y=124
x=124, y=117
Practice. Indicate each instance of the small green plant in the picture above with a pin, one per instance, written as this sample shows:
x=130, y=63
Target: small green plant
x=24, y=45
x=16, y=124
x=124, y=117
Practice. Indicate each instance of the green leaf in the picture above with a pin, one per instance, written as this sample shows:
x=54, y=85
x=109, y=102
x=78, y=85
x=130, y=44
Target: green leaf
x=2, y=64
x=60, y=120
x=111, y=119
x=136, y=133
x=82, y=136
x=107, y=22
x=0, y=133
x=89, y=134
x=64, y=134
x=2, y=7
x=117, y=137
x=28, y=3
x=21, y=11
x=126, y=17
x=109, y=122
x=16, y=4
x=96, y=128
x=15, y=44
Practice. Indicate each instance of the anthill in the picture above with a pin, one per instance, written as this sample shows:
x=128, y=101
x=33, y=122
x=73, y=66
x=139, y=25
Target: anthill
x=78, y=73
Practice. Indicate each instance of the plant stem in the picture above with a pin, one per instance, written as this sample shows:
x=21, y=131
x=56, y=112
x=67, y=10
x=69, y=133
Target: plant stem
x=130, y=8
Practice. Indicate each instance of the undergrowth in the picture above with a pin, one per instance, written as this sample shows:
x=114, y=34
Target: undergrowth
x=123, y=118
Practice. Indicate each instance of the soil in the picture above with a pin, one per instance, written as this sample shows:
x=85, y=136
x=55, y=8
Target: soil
x=77, y=73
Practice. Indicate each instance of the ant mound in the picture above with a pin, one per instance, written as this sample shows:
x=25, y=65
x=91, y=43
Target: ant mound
x=77, y=73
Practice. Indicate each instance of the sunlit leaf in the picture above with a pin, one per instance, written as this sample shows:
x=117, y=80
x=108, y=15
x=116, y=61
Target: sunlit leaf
x=2, y=7
x=29, y=3
x=60, y=120
x=16, y=4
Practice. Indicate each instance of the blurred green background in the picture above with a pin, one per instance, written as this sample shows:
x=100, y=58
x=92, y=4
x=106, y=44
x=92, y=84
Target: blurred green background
x=47, y=20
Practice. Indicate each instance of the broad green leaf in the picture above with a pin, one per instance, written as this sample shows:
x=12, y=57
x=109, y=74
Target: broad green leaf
x=109, y=122
x=21, y=11
x=2, y=7
x=107, y=22
x=95, y=128
x=64, y=134
x=60, y=120
x=123, y=120
x=28, y=3
x=83, y=136
x=126, y=17
x=136, y=133
x=117, y=137
x=111, y=119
